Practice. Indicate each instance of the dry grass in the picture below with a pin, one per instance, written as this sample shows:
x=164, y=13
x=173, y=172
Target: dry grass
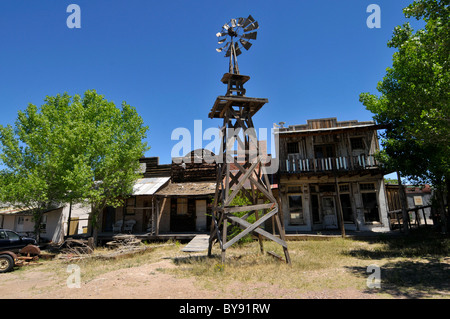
x=416, y=267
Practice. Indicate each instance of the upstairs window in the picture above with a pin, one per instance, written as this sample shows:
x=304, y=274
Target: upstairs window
x=292, y=148
x=357, y=143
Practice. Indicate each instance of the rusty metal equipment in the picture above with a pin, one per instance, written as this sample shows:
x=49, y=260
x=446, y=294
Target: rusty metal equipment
x=27, y=256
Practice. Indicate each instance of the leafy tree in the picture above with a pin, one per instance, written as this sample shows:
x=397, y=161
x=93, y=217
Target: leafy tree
x=414, y=99
x=79, y=149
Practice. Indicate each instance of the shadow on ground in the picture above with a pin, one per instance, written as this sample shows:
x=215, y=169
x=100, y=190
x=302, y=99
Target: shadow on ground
x=420, y=266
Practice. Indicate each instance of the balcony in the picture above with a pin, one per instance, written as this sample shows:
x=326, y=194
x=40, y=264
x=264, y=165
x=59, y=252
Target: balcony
x=295, y=164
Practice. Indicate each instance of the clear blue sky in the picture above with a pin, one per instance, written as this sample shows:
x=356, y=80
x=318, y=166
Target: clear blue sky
x=312, y=59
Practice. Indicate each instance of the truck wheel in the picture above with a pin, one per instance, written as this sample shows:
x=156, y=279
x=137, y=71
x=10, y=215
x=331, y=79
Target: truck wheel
x=6, y=263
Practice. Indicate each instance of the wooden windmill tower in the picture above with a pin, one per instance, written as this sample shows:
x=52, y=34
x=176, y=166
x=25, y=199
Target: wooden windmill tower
x=241, y=171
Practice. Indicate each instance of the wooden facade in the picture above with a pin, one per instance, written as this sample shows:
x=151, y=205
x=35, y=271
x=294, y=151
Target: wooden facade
x=171, y=198
x=329, y=178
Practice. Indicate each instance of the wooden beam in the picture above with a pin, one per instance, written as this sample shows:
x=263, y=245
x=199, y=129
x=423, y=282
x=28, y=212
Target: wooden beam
x=236, y=209
x=247, y=228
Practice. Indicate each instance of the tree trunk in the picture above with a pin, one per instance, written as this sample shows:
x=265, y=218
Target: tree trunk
x=447, y=213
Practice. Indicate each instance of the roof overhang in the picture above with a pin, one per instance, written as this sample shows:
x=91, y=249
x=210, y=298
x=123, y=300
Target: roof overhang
x=149, y=186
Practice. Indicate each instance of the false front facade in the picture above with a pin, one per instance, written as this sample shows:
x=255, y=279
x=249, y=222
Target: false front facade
x=328, y=176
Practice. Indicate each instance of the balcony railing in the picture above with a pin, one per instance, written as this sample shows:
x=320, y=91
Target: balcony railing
x=295, y=164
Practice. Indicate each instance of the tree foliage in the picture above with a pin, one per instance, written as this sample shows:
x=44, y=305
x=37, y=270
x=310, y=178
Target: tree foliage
x=71, y=149
x=414, y=97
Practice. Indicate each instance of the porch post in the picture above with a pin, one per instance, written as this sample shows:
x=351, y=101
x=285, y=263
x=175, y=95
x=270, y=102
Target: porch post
x=341, y=216
x=401, y=191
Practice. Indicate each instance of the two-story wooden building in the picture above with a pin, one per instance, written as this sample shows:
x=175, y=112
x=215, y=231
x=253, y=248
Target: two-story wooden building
x=327, y=170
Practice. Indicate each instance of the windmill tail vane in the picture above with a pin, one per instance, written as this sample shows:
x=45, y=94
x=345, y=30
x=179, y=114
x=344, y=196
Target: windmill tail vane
x=237, y=31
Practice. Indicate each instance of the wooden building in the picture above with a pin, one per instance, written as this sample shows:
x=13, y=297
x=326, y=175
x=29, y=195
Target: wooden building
x=170, y=198
x=186, y=201
x=329, y=177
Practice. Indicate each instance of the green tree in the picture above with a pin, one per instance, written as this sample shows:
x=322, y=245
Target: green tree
x=79, y=149
x=414, y=97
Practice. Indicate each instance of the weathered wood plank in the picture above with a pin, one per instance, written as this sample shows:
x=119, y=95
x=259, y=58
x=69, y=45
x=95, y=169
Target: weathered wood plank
x=197, y=244
x=236, y=209
x=248, y=228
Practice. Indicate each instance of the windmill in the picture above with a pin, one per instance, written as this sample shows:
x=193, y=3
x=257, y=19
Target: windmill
x=241, y=173
x=237, y=31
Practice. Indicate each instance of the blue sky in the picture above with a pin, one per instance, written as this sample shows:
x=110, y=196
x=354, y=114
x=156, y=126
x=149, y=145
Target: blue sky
x=312, y=59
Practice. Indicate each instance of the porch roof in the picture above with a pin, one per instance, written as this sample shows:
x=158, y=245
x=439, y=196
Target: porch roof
x=12, y=211
x=149, y=186
x=188, y=189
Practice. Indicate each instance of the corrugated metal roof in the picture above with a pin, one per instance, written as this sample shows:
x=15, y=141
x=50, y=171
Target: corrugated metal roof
x=148, y=186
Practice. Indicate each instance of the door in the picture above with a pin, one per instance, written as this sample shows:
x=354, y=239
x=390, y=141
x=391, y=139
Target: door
x=182, y=215
x=329, y=212
x=200, y=211
x=19, y=223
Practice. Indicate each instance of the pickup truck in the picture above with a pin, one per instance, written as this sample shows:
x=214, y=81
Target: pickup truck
x=10, y=244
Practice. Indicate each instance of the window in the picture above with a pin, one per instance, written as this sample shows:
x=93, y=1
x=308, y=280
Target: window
x=367, y=186
x=357, y=143
x=20, y=220
x=344, y=188
x=295, y=210
x=12, y=235
x=2, y=235
x=130, y=204
x=292, y=148
x=182, y=206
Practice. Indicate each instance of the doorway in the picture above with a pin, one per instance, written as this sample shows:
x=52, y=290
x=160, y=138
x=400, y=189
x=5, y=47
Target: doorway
x=329, y=212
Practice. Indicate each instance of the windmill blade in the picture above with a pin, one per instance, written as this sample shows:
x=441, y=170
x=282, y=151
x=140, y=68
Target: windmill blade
x=250, y=36
x=248, y=21
x=252, y=26
x=246, y=44
x=240, y=22
x=221, y=34
x=222, y=40
x=223, y=48
x=226, y=26
x=233, y=23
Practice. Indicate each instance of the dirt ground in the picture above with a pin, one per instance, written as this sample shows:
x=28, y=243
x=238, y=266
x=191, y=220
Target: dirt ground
x=148, y=282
